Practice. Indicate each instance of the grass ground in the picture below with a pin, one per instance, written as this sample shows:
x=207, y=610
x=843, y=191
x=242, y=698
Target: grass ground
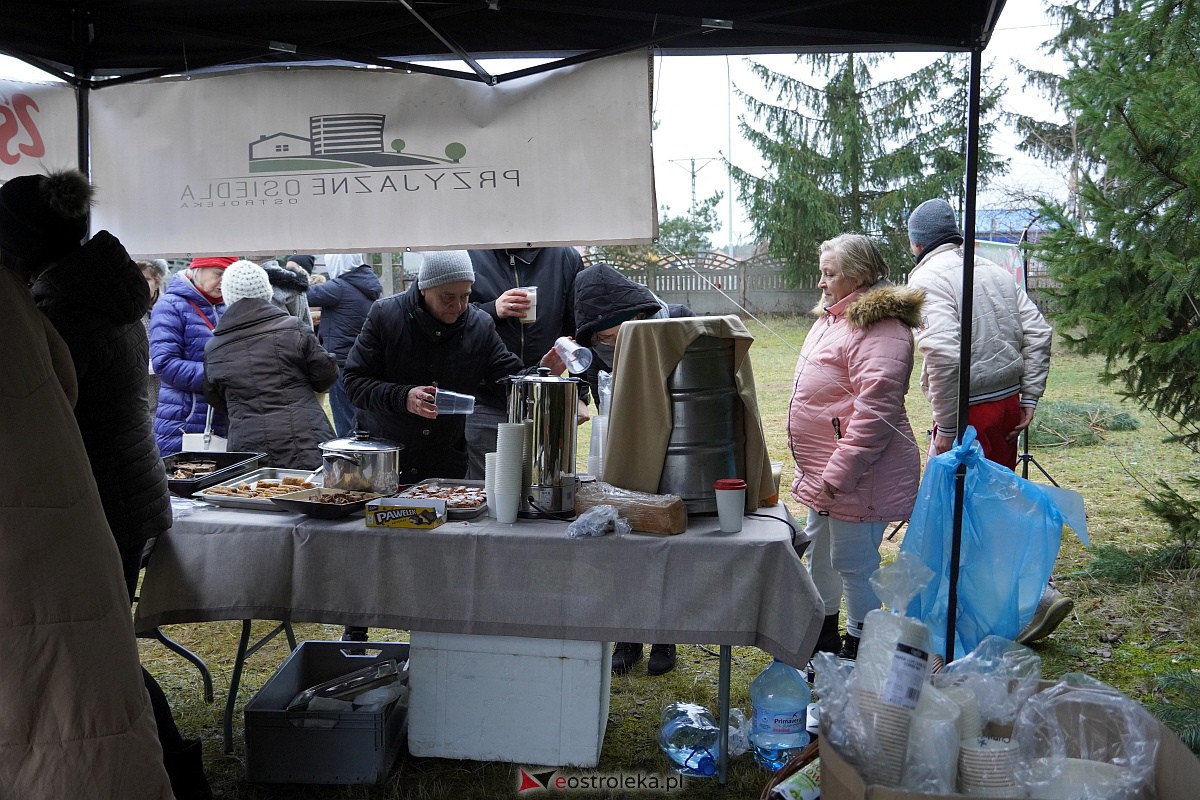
x=1126, y=634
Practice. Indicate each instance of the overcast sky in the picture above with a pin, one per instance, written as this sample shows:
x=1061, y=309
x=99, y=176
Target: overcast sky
x=697, y=113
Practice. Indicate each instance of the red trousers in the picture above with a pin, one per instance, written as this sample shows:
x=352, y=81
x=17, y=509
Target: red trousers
x=993, y=422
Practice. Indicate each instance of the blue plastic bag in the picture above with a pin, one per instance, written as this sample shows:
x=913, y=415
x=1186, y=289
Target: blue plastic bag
x=1011, y=532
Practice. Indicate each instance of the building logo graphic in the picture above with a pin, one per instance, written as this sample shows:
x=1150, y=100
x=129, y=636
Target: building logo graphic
x=341, y=141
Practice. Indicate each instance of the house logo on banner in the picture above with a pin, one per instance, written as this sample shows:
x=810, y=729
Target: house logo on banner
x=341, y=142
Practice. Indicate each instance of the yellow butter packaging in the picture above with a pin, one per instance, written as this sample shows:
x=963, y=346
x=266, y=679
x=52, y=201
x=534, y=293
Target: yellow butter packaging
x=399, y=512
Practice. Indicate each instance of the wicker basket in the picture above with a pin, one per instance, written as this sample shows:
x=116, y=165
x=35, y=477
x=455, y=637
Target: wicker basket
x=797, y=763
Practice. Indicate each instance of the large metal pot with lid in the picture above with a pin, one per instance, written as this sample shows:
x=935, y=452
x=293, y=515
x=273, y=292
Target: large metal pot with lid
x=362, y=463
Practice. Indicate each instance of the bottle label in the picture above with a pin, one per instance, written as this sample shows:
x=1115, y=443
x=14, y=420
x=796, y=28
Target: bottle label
x=906, y=677
x=781, y=722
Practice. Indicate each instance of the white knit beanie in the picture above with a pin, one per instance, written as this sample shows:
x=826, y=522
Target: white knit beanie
x=444, y=266
x=244, y=279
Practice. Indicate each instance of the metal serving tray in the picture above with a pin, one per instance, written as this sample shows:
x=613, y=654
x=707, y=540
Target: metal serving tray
x=252, y=478
x=451, y=513
x=228, y=465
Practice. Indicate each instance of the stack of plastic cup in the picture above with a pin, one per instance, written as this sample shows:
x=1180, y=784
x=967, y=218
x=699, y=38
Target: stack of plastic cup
x=986, y=767
x=510, y=442
x=453, y=403
x=596, y=450
x=932, y=761
x=489, y=482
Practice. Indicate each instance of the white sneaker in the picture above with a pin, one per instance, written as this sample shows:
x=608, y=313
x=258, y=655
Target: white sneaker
x=1051, y=610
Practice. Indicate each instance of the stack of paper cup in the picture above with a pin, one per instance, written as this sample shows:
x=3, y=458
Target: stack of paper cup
x=893, y=657
x=510, y=442
x=986, y=766
x=970, y=723
x=887, y=726
x=599, y=440
x=489, y=482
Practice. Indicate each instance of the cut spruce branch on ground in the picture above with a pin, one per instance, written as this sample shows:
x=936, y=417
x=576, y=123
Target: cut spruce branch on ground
x=1130, y=634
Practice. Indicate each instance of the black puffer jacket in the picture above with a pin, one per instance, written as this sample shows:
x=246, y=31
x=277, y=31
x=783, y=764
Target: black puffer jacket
x=344, y=302
x=605, y=298
x=262, y=367
x=402, y=346
x=95, y=298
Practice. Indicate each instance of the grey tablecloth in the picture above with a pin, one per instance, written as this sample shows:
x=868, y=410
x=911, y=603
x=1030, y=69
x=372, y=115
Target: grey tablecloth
x=481, y=577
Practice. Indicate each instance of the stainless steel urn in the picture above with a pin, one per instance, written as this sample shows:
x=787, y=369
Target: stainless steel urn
x=548, y=406
x=706, y=435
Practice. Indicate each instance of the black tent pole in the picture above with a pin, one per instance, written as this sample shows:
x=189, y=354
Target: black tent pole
x=964, y=357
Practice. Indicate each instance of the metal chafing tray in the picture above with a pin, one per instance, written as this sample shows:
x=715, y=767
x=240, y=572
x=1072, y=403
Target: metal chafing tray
x=252, y=478
x=451, y=513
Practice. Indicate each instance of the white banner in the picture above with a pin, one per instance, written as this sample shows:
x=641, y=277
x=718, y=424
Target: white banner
x=37, y=128
x=362, y=160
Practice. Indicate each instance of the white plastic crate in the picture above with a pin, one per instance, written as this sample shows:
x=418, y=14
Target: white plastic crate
x=508, y=698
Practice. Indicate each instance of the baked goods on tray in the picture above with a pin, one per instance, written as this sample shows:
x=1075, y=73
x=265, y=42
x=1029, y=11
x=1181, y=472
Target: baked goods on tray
x=263, y=488
x=456, y=495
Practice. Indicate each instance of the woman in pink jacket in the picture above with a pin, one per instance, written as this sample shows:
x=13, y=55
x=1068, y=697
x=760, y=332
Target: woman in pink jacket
x=857, y=464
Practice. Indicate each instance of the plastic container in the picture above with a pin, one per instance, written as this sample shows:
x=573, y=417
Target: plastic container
x=691, y=739
x=333, y=747
x=780, y=697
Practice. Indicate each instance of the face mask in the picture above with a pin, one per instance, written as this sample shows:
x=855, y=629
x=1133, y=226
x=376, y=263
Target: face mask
x=605, y=353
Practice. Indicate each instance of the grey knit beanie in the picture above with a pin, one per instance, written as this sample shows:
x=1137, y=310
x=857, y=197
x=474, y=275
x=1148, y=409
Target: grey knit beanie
x=444, y=266
x=244, y=279
x=931, y=221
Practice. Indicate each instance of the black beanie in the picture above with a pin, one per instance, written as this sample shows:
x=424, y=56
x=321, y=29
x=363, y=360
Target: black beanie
x=305, y=261
x=44, y=217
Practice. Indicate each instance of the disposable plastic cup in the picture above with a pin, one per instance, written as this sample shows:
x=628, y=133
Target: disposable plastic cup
x=531, y=314
x=776, y=476
x=577, y=357
x=731, y=503
x=453, y=403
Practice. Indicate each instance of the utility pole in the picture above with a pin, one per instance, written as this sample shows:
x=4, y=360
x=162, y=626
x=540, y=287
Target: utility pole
x=692, y=168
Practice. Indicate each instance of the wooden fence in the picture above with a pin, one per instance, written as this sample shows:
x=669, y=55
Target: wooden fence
x=714, y=283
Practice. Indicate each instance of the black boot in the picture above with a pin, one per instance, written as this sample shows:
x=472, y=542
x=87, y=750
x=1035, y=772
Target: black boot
x=625, y=655
x=830, y=641
x=849, y=650
x=185, y=768
x=662, y=659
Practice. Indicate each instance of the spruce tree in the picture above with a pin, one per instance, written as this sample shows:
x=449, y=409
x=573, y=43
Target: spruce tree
x=1130, y=277
x=856, y=154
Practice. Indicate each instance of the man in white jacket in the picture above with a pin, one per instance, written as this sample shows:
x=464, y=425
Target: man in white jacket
x=1010, y=357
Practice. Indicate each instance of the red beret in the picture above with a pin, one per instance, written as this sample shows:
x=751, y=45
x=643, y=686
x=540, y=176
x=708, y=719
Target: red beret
x=214, y=262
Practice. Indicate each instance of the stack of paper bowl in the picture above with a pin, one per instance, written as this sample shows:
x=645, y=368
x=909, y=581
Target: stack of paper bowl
x=887, y=725
x=987, y=765
x=510, y=445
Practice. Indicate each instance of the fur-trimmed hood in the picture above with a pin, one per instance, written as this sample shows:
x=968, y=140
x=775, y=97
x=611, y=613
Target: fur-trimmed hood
x=886, y=301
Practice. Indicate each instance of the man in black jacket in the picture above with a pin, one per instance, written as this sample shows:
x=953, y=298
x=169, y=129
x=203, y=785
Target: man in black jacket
x=499, y=278
x=430, y=336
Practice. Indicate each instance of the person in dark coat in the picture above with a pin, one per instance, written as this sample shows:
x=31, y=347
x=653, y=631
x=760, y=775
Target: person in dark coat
x=429, y=336
x=604, y=300
x=344, y=300
x=499, y=290
x=289, y=288
x=263, y=367
x=182, y=323
x=95, y=297
x=157, y=273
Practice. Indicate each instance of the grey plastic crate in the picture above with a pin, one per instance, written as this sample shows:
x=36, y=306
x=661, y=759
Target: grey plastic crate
x=359, y=748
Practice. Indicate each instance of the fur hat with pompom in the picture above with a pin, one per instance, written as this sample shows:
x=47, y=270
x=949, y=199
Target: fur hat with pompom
x=244, y=279
x=44, y=217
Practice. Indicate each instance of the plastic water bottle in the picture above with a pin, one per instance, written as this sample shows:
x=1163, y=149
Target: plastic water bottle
x=780, y=697
x=691, y=739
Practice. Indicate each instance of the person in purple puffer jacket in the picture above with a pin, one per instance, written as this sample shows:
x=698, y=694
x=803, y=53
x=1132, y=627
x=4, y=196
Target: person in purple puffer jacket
x=183, y=322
